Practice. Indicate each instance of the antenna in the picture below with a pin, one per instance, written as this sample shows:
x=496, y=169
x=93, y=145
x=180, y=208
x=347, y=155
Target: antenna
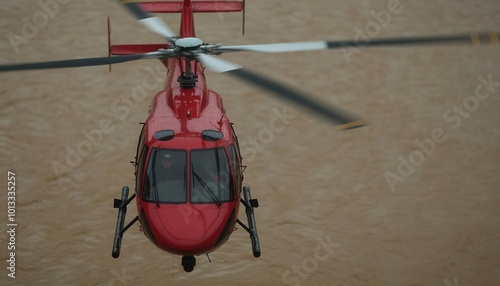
x=220, y=120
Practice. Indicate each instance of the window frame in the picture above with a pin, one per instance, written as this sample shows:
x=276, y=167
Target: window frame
x=139, y=178
x=236, y=167
x=231, y=186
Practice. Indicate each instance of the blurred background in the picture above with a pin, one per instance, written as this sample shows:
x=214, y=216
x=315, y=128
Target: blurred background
x=362, y=207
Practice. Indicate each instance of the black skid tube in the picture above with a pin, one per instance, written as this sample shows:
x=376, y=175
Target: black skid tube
x=120, y=221
x=252, y=225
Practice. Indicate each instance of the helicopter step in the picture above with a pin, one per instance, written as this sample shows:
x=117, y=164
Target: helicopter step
x=250, y=204
x=121, y=205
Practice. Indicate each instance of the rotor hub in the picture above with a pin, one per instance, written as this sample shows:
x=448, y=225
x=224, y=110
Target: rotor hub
x=188, y=43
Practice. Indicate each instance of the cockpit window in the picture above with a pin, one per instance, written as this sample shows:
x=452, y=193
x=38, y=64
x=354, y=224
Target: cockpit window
x=166, y=177
x=211, y=179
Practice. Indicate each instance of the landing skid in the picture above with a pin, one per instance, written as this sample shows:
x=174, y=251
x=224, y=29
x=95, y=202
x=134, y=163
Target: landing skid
x=188, y=262
x=121, y=205
x=250, y=204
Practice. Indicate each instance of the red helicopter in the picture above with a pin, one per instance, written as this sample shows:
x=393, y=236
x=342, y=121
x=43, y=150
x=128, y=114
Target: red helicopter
x=188, y=166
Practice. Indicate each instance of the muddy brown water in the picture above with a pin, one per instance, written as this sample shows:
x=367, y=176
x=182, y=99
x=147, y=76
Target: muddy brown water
x=328, y=215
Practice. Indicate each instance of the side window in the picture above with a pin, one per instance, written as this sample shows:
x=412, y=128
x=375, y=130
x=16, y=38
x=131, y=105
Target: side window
x=142, y=137
x=235, y=138
x=237, y=148
x=236, y=167
x=140, y=169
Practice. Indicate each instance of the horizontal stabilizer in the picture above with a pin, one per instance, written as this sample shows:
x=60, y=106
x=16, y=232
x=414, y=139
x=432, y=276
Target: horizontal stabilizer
x=198, y=6
x=135, y=49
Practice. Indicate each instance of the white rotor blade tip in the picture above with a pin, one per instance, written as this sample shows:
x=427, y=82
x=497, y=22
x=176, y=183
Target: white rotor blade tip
x=284, y=47
x=216, y=64
x=157, y=25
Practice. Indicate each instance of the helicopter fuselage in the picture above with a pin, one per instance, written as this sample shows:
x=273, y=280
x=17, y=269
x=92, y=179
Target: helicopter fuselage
x=187, y=225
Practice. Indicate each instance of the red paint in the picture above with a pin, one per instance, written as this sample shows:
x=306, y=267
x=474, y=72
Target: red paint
x=198, y=6
x=135, y=49
x=185, y=228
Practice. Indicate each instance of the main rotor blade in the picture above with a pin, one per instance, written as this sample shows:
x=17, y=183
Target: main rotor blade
x=81, y=62
x=153, y=23
x=345, y=121
x=475, y=39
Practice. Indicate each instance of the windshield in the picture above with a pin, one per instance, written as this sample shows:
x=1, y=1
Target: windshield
x=166, y=177
x=211, y=180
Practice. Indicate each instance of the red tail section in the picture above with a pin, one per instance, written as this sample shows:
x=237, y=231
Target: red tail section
x=198, y=6
x=187, y=8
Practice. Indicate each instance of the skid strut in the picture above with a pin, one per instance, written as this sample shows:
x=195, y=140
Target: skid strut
x=250, y=204
x=121, y=205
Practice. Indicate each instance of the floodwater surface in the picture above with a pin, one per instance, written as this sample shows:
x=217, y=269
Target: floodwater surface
x=412, y=199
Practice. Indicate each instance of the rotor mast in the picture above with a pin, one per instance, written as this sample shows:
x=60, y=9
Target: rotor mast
x=188, y=77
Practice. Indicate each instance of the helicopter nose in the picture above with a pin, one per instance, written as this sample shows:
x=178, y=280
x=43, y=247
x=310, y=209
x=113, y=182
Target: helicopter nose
x=188, y=229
